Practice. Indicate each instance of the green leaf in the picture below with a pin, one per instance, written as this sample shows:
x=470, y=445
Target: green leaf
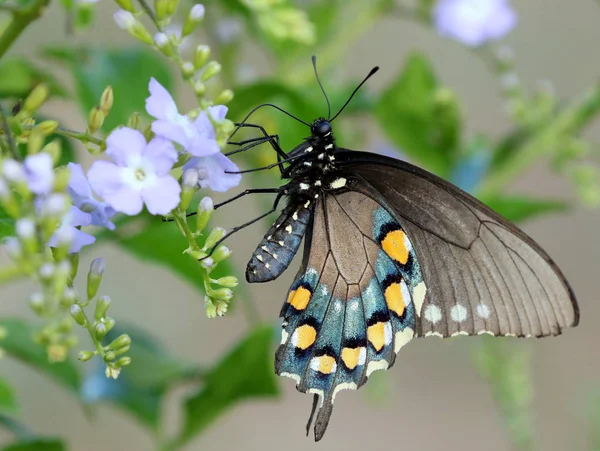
x=7, y=224
x=8, y=402
x=521, y=208
x=161, y=243
x=36, y=445
x=128, y=71
x=18, y=77
x=19, y=344
x=140, y=388
x=246, y=372
x=422, y=120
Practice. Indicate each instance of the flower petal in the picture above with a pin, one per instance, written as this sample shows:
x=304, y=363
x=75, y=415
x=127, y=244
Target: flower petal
x=162, y=197
x=175, y=131
x=218, y=112
x=80, y=239
x=123, y=144
x=160, y=104
x=212, y=172
x=126, y=200
x=78, y=183
x=39, y=172
x=161, y=153
x=105, y=177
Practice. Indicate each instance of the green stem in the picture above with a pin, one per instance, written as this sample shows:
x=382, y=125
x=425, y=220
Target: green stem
x=83, y=137
x=568, y=122
x=21, y=19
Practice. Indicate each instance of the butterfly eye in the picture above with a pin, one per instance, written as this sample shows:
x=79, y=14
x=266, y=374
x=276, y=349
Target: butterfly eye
x=322, y=128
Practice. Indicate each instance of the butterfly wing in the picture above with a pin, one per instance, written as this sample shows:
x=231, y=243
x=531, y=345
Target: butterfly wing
x=351, y=306
x=482, y=274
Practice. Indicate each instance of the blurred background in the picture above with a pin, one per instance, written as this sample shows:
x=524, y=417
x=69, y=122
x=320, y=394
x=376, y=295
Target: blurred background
x=434, y=397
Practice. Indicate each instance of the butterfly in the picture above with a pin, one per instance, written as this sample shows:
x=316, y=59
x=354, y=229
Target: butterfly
x=392, y=252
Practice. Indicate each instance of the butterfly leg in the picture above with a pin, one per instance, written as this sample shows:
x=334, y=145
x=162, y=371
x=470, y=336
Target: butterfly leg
x=273, y=140
x=249, y=223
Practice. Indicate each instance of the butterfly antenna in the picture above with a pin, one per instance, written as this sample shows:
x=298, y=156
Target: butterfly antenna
x=373, y=71
x=314, y=61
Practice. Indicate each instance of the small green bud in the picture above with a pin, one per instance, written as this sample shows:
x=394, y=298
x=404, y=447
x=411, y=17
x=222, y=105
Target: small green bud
x=77, y=314
x=197, y=255
x=84, y=356
x=46, y=127
x=62, y=176
x=53, y=148
x=74, y=261
x=46, y=271
x=127, y=21
x=69, y=297
x=95, y=277
x=215, y=235
x=224, y=97
x=201, y=55
x=102, y=305
x=100, y=332
x=65, y=325
x=37, y=304
x=96, y=119
x=199, y=88
x=123, y=361
x=35, y=141
x=134, y=121
x=121, y=342
x=109, y=356
x=221, y=254
x=221, y=308
x=162, y=9
x=106, y=100
x=222, y=294
x=36, y=99
x=26, y=232
x=211, y=69
x=189, y=183
x=163, y=44
x=71, y=341
x=211, y=309
x=205, y=209
x=127, y=5
x=227, y=281
x=193, y=19
x=187, y=70
x=109, y=323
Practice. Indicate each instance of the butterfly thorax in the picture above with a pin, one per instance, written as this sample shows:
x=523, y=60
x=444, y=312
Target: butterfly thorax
x=315, y=170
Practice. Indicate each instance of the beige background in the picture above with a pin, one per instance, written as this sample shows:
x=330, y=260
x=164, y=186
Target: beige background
x=436, y=400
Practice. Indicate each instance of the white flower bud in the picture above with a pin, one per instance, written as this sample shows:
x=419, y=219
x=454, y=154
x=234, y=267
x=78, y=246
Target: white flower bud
x=206, y=204
x=55, y=204
x=70, y=294
x=190, y=178
x=25, y=228
x=13, y=171
x=207, y=262
x=46, y=270
x=124, y=19
x=197, y=12
x=161, y=39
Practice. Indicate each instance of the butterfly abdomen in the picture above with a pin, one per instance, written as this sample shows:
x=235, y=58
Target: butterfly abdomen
x=277, y=249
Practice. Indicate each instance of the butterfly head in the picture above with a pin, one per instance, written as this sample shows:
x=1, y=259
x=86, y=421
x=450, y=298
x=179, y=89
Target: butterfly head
x=320, y=128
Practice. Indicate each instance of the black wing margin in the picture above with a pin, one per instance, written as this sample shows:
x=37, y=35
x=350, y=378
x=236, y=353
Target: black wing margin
x=482, y=273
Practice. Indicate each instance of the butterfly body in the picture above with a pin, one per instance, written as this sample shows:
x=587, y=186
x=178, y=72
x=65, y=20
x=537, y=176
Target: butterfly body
x=393, y=252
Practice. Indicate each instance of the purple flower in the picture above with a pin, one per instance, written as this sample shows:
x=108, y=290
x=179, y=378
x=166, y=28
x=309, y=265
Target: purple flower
x=197, y=138
x=211, y=172
x=139, y=174
x=68, y=231
x=474, y=22
x=39, y=171
x=81, y=194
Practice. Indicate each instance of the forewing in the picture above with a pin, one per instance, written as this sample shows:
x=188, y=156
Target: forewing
x=482, y=274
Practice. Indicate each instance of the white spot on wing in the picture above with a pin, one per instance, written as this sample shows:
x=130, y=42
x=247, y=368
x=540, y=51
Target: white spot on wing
x=296, y=377
x=387, y=333
x=405, y=293
x=259, y=258
x=329, y=146
x=338, y=183
x=281, y=243
x=458, y=313
x=403, y=337
x=460, y=332
x=338, y=306
x=483, y=311
x=304, y=186
x=284, y=336
x=288, y=229
x=309, y=149
x=362, y=356
x=486, y=332
x=419, y=296
x=433, y=314
x=354, y=306
x=377, y=365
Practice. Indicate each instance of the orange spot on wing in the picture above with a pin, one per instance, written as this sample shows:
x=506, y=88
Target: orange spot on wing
x=394, y=245
x=376, y=335
x=326, y=364
x=394, y=298
x=299, y=298
x=305, y=336
x=350, y=357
